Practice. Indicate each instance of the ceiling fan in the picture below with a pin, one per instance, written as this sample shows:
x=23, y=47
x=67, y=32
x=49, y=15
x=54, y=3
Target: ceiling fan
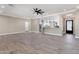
x=11, y=5
x=38, y=11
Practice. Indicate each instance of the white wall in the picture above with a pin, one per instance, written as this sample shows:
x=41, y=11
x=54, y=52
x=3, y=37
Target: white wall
x=11, y=24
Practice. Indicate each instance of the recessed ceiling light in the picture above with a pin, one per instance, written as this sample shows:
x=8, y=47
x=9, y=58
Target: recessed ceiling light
x=2, y=6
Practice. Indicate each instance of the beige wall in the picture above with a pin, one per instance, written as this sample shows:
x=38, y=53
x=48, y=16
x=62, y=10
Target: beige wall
x=77, y=24
x=34, y=25
x=11, y=24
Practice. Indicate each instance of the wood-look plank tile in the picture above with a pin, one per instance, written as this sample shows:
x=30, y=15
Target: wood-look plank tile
x=37, y=43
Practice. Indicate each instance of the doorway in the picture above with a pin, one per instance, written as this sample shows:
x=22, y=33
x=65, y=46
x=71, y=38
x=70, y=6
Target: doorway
x=69, y=26
x=26, y=26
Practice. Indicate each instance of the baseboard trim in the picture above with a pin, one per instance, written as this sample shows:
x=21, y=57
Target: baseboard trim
x=76, y=37
x=48, y=33
x=54, y=34
x=35, y=31
x=13, y=33
x=32, y=31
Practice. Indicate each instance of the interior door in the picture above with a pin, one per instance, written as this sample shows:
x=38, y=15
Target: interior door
x=69, y=26
x=26, y=26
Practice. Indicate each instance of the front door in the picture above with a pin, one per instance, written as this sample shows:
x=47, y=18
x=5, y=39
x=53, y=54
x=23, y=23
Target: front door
x=69, y=26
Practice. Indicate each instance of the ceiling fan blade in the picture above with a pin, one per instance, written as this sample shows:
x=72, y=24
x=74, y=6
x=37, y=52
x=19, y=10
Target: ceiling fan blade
x=39, y=10
x=43, y=12
x=40, y=13
x=37, y=13
x=34, y=9
x=11, y=5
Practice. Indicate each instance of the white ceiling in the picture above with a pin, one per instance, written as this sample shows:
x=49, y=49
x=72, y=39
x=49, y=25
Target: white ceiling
x=26, y=10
